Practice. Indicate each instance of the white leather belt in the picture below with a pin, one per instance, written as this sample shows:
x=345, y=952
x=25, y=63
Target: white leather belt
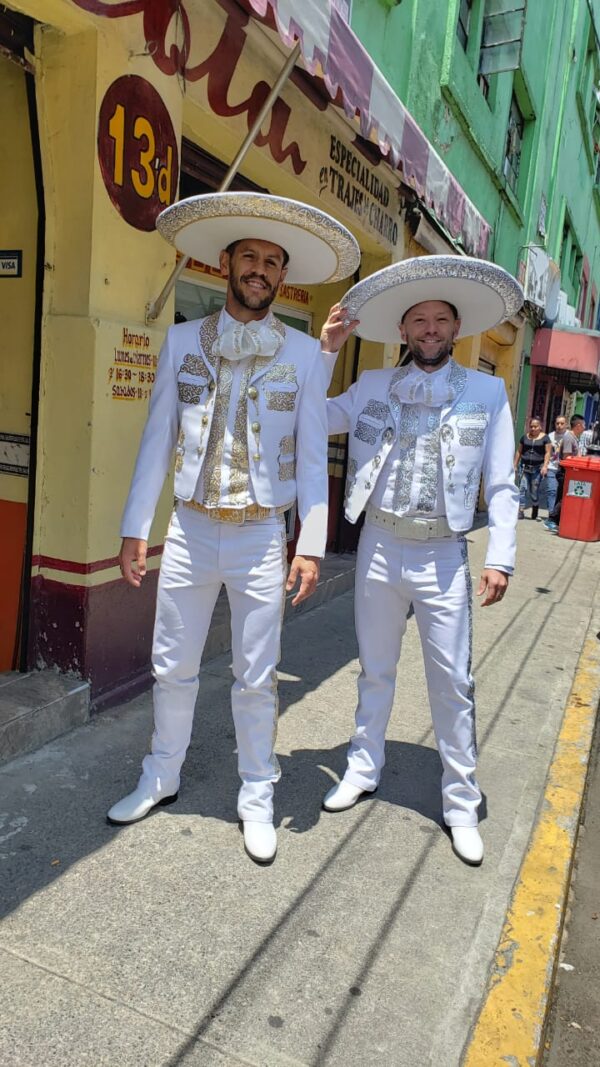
x=413, y=529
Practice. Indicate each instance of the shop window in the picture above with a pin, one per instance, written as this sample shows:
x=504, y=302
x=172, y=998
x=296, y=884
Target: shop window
x=583, y=292
x=469, y=32
x=465, y=11
x=203, y=173
x=514, y=144
x=588, y=100
x=571, y=261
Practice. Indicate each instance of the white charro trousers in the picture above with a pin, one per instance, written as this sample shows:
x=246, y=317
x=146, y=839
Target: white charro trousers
x=392, y=573
x=201, y=555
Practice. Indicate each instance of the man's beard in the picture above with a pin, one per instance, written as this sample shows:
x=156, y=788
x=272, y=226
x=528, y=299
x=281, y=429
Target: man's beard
x=255, y=302
x=421, y=360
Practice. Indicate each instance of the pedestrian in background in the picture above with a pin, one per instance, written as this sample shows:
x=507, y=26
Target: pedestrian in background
x=531, y=461
x=551, y=484
x=569, y=446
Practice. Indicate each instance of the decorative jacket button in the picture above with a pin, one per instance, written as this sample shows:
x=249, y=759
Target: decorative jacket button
x=256, y=456
x=255, y=427
x=211, y=387
x=205, y=420
x=253, y=392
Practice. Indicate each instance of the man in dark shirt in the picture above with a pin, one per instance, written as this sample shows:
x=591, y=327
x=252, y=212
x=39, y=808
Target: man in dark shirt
x=569, y=447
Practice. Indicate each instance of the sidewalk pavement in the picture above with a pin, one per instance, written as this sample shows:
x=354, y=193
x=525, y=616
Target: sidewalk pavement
x=367, y=942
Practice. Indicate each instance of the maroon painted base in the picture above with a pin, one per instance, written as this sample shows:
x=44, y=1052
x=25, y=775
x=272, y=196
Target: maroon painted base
x=102, y=633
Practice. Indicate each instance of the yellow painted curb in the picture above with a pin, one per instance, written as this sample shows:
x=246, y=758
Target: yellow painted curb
x=510, y=1027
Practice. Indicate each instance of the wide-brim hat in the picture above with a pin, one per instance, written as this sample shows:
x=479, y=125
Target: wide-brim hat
x=482, y=293
x=320, y=249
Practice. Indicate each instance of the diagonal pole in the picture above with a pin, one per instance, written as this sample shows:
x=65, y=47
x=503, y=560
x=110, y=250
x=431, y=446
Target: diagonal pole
x=154, y=309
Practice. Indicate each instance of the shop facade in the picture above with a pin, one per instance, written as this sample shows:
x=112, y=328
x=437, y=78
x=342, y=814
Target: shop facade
x=117, y=110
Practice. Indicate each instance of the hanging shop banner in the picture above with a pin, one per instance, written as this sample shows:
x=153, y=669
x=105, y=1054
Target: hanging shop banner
x=137, y=151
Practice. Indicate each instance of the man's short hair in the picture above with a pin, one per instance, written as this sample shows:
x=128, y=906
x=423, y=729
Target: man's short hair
x=232, y=247
x=453, y=309
x=575, y=419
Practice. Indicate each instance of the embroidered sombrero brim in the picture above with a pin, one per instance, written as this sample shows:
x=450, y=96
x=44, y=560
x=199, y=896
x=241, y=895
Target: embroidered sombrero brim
x=483, y=294
x=320, y=248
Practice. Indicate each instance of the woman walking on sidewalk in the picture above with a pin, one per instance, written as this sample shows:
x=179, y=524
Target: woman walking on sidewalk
x=532, y=455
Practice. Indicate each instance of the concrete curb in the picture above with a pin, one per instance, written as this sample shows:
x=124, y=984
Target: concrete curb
x=511, y=1024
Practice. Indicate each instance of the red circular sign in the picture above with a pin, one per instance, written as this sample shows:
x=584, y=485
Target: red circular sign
x=137, y=150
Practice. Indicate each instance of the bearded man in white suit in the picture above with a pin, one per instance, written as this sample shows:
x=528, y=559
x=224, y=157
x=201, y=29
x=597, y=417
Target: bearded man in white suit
x=420, y=438
x=240, y=398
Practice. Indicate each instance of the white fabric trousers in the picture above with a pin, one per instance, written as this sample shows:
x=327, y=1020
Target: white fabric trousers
x=392, y=573
x=201, y=555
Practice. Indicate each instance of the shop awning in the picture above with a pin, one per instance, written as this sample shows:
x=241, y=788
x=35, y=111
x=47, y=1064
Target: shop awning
x=331, y=50
x=570, y=349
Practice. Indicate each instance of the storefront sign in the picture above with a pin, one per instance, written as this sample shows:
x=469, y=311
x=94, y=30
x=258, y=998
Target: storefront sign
x=349, y=180
x=14, y=454
x=210, y=48
x=137, y=151
x=11, y=264
x=133, y=369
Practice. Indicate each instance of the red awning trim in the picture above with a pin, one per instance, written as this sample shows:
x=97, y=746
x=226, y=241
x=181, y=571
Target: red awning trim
x=331, y=49
x=574, y=350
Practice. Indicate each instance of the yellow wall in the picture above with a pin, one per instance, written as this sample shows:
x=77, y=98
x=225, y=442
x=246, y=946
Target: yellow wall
x=17, y=295
x=101, y=273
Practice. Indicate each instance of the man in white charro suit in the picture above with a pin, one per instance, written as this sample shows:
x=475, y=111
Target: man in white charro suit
x=241, y=399
x=420, y=438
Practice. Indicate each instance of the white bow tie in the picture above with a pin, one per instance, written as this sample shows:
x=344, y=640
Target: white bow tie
x=239, y=340
x=432, y=390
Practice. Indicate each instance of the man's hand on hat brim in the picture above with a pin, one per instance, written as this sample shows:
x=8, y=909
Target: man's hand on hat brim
x=337, y=329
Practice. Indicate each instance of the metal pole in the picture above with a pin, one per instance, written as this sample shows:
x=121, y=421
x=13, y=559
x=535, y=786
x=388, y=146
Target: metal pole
x=154, y=309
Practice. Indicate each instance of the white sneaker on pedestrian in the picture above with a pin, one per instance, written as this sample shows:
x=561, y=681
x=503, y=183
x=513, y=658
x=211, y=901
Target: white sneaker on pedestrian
x=137, y=805
x=260, y=841
x=467, y=844
x=343, y=796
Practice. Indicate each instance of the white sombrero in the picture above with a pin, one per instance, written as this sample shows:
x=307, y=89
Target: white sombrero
x=320, y=249
x=483, y=294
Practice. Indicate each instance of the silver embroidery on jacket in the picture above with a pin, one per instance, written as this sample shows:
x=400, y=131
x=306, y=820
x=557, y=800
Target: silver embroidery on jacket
x=351, y=476
x=431, y=455
x=371, y=421
x=470, y=489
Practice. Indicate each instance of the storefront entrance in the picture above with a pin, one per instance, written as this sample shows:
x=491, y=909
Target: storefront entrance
x=18, y=313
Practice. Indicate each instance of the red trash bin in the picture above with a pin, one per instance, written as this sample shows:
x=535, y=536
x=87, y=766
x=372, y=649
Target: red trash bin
x=580, y=510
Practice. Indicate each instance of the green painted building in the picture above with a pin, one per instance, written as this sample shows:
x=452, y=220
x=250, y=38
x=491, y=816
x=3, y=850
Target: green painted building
x=524, y=143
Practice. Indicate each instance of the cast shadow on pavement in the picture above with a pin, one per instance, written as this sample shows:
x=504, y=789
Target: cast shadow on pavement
x=411, y=779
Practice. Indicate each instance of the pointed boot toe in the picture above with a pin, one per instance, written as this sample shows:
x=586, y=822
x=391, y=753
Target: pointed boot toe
x=344, y=795
x=467, y=844
x=260, y=841
x=136, y=806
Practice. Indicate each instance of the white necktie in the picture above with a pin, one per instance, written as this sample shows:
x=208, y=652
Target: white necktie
x=239, y=340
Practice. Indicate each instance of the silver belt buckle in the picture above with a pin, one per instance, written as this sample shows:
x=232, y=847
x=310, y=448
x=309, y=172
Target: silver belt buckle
x=421, y=527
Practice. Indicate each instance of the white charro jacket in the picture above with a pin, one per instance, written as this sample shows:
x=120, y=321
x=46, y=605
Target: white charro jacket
x=286, y=401
x=476, y=438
